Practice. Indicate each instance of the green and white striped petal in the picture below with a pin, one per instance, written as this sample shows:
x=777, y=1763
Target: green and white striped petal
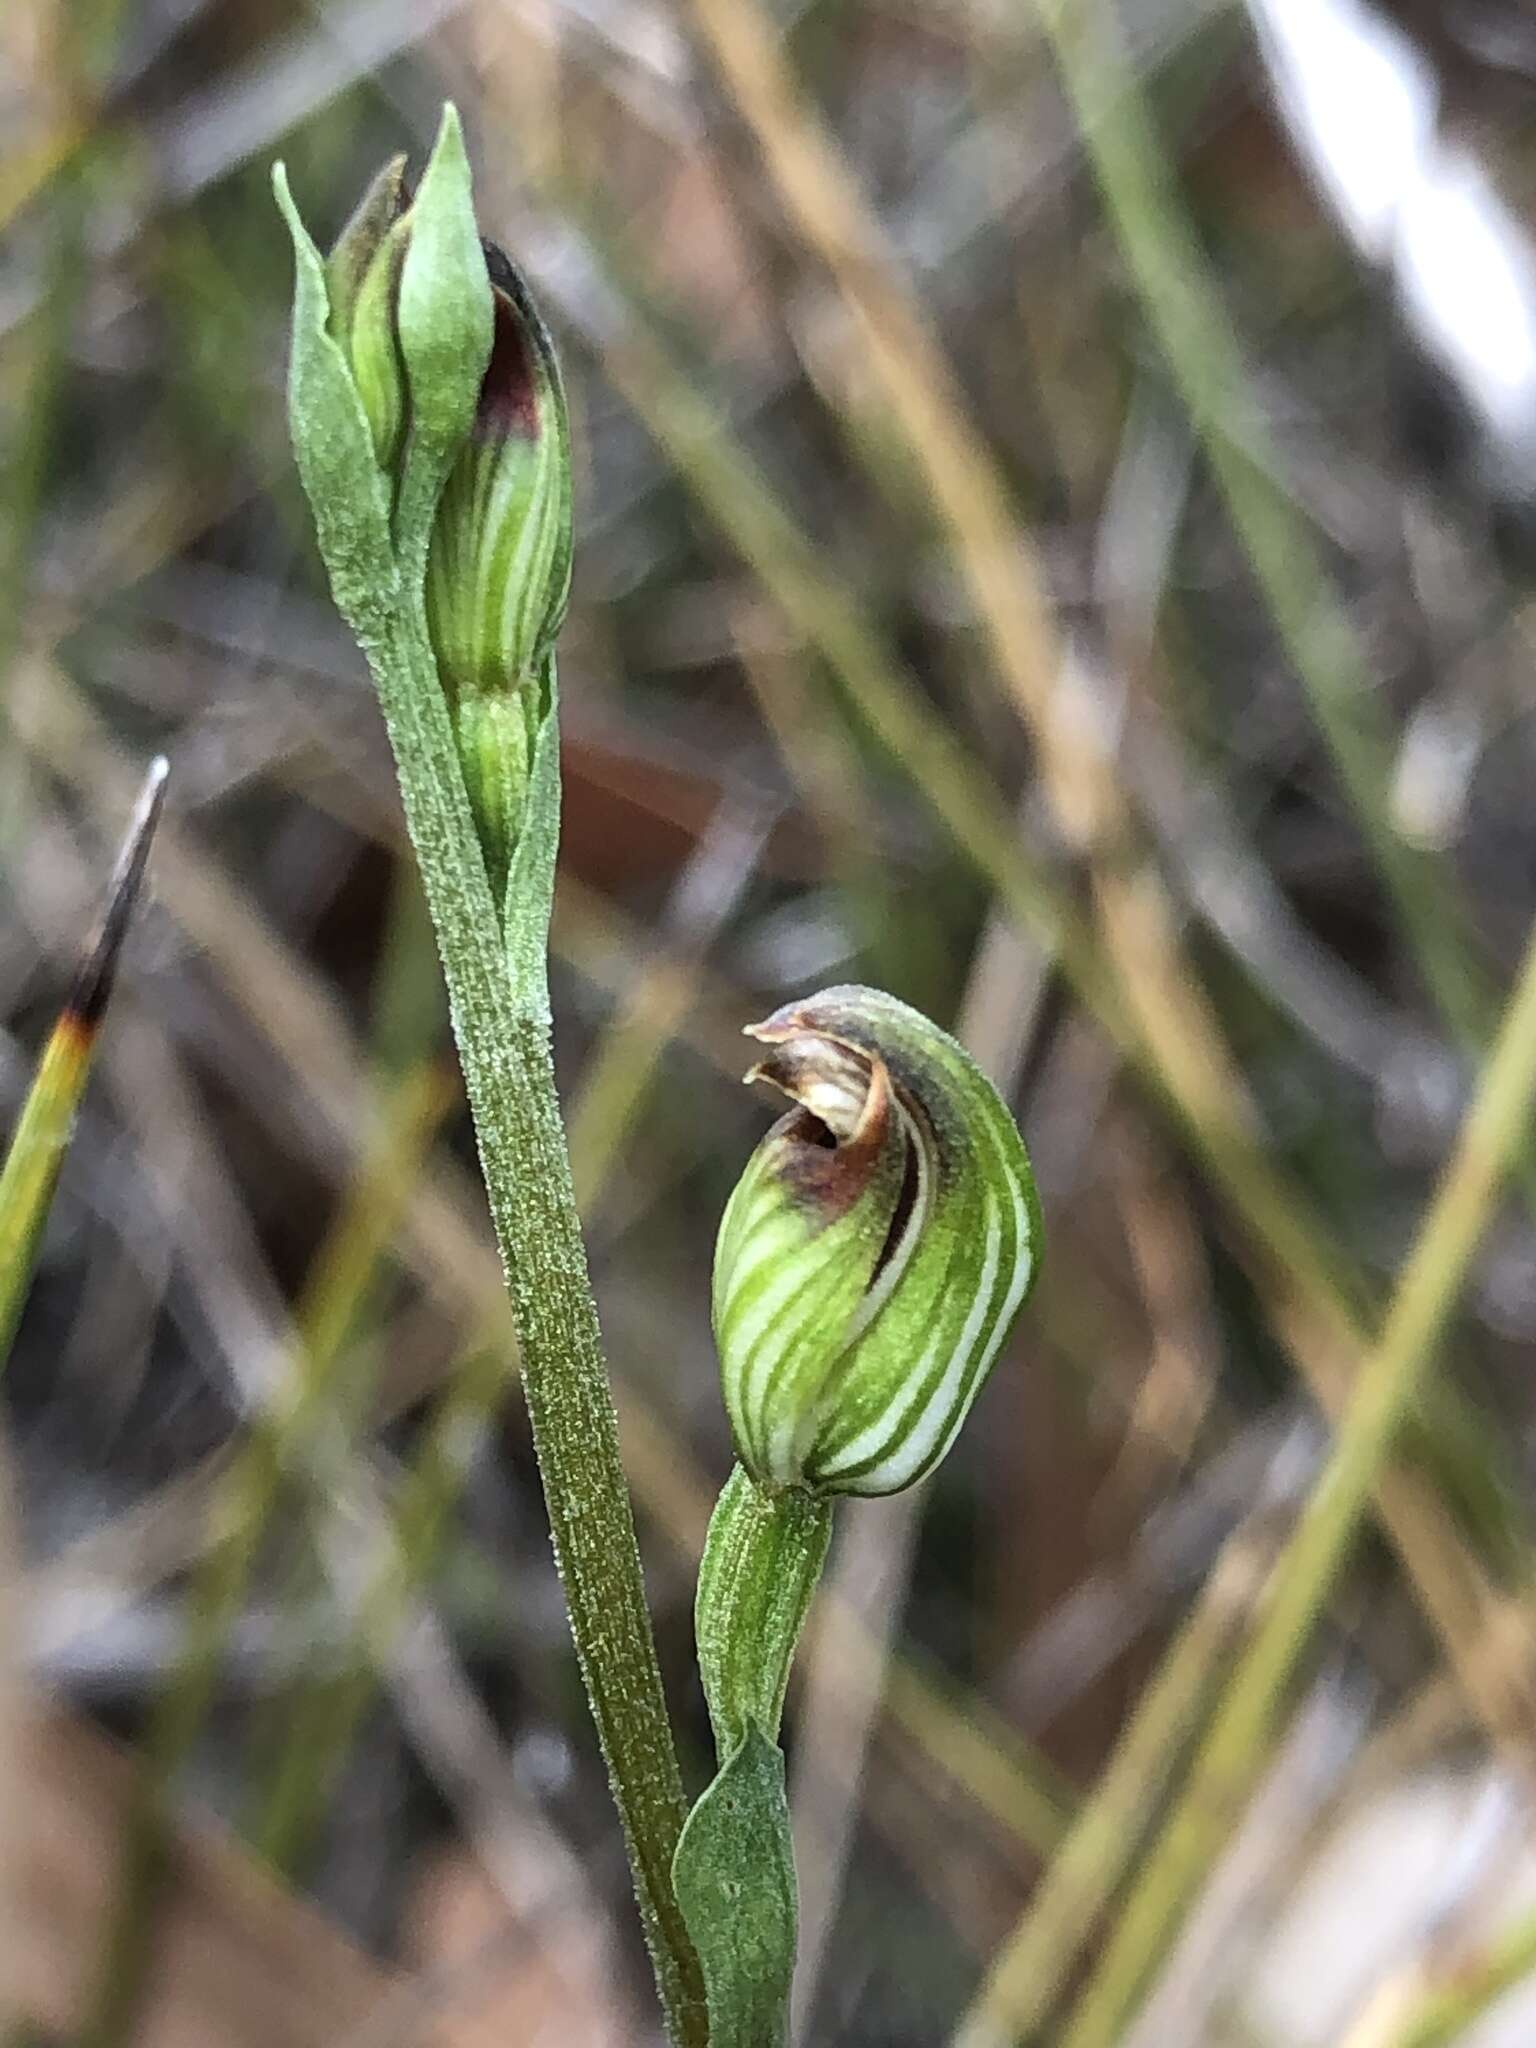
x=876, y=1252
x=499, y=571
x=499, y=565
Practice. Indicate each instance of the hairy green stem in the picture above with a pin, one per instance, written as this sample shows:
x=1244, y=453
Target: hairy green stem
x=502, y=1025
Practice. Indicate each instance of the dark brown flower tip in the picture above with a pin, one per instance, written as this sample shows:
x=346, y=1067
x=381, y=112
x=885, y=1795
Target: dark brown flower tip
x=840, y=1087
x=98, y=969
x=520, y=354
x=829, y=1149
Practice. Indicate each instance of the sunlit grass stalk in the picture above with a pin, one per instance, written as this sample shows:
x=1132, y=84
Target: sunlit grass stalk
x=1030, y=1969
x=1469, y=1989
x=1239, y=1737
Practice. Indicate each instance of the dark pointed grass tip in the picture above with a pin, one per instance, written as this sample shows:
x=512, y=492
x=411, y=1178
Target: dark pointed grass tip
x=98, y=967
x=42, y=1131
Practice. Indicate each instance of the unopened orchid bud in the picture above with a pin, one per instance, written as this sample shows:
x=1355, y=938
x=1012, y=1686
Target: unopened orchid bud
x=411, y=310
x=433, y=361
x=875, y=1253
x=499, y=567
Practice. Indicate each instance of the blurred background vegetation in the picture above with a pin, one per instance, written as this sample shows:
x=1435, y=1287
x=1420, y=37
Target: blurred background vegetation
x=1055, y=523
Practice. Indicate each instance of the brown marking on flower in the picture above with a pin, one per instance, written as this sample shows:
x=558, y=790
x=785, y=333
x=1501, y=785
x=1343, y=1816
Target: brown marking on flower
x=831, y=1080
x=833, y=1017
x=509, y=392
x=828, y=1151
x=791, y=1020
x=901, y=1214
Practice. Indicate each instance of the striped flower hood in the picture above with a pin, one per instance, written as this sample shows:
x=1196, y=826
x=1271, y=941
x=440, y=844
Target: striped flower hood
x=875, y=1253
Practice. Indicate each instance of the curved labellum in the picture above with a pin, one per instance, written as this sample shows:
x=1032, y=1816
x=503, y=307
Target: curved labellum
x=876, y=1251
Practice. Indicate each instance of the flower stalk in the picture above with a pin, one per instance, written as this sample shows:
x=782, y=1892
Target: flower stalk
x=877, y=1251
x=430, y=434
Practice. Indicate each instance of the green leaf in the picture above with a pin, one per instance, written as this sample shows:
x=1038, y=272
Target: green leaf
x=734, y=1876
x=334, y=446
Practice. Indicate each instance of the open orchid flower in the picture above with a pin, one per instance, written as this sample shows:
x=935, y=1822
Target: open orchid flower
x=875, y=1253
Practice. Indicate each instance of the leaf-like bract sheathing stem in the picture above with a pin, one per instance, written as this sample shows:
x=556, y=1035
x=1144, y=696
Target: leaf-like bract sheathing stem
x=375, y=532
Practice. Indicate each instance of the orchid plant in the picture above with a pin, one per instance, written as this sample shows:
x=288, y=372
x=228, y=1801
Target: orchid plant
x=883, y=1237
